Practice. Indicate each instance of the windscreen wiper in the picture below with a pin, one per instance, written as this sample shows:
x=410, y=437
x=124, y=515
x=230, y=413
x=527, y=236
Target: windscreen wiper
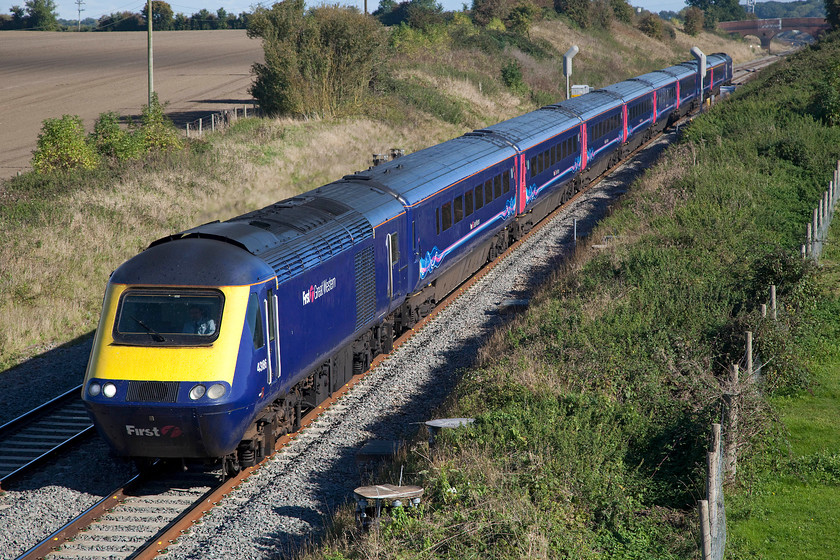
x=156, y=336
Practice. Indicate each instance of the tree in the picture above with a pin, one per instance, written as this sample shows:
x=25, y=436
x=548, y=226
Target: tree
x=832, y=13
x=41, y=14
x=622, y=10
x=122, y=21
x=161, y=16
x=651, y=25
x=577, y=10
x=718, y=10
x=693, y=21
x=316, y=61
x=484, y=11
x=522, y=16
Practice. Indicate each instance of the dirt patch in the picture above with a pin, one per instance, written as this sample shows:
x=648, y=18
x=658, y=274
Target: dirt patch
x=47, y=75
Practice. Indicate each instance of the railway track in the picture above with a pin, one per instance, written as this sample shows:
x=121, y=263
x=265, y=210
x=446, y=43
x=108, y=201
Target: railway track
x=32, y=438
x=141, y=519
x=746, y=71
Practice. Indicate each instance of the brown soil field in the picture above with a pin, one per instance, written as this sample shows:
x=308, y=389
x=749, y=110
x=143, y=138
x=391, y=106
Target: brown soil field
x=45, y=75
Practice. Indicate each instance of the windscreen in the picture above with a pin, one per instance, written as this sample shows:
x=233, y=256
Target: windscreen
x=169, y=317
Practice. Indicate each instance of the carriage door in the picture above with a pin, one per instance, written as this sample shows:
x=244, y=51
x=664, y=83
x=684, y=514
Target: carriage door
x=392, y=246
x=273, y=330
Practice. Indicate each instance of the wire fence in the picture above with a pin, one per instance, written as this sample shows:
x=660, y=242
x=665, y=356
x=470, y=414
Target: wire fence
x=817, y=229
x=722, y=458
x=220, y=120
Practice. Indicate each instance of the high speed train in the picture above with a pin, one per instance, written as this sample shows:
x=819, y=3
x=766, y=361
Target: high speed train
x=212, y=340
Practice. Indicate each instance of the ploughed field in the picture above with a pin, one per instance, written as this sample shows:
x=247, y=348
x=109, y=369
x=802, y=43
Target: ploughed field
x=45, y=75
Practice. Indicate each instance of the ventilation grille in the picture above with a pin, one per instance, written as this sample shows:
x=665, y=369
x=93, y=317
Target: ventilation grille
x=152, y=391
x=365, y=287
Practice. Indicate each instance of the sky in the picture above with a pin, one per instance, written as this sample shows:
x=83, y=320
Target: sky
x=67, y=9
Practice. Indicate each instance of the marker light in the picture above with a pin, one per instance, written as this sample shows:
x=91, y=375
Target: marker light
x=94, y=389
x=109, y=390
x=197, y=392
x=216, y=390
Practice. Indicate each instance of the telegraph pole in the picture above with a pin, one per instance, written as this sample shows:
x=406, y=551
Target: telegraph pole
x=79, y=4
x=151, y=79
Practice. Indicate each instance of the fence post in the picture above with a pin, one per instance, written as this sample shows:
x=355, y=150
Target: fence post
x=245, y=112
x=730, y=403
x=200, y=132
x=764, y=310
x=773, y=302
x=809, y=234
x=188, y=130
x=750, y=355
x=705, y=531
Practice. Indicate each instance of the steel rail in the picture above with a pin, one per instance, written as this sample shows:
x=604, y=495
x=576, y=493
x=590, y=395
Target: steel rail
x=39, y=434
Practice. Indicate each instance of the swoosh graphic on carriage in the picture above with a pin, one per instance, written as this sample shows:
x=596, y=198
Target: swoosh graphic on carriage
x=434, y=257
x=635, y=128
x=532, y=192
x=592, y=153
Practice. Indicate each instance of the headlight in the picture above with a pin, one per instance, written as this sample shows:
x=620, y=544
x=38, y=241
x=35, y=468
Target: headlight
x=216, y=391
x=197, y=392
x=109, y=390
x=94, y=389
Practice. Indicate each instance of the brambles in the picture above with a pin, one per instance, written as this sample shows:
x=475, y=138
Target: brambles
x=62, y=146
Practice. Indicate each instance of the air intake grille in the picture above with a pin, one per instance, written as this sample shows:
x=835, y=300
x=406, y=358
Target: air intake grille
x=152, y=391
x=365, y=287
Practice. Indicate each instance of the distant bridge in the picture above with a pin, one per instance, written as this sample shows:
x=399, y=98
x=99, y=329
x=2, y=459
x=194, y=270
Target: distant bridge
x=766, y=29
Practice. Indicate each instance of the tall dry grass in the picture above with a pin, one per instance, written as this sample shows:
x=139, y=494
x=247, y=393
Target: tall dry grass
x=55, y=268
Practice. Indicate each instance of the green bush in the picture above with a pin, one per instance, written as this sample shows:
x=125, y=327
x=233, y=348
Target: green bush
x=316, y=61
x=62, y=146
x=110, y=140
x=512, y=76
x=157, y=131
x=693, y=21
x=651, y=25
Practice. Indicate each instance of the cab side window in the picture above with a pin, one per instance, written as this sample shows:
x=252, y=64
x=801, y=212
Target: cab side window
x=252, y=317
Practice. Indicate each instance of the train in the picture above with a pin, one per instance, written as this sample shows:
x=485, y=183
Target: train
x=213, y=341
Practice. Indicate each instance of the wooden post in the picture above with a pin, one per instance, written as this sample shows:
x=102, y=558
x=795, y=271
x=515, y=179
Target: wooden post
x=809, y=234
x=213, y=122
x=764, y=310
x=188, y=130
x=816, y=226
x=750, y=355
x=245, y=112
x=705, y=531
x=711, y=492
x=804, y=254
x=200, y=132
x=773, y=302
x=730, y=402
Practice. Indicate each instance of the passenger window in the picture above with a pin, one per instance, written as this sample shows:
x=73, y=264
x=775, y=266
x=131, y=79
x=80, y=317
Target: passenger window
x=534, y=170
x=488, y=190
x=468, y=203
x=554, y=154
x=497, y=185
x=252, y=317
x=437, y=220
x=459, y=208
x=446, y=216
x=506, y=180
x=479, y=197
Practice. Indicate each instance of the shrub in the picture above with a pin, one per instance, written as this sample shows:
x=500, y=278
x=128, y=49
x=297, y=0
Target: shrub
x=622, y=11
x=61, y=146
x=602, y=14
x=316, y=61
x=522, y=16
x=157, y=131
x=651, y=25
x=693, y=21
x=576, y=10
x=485, y=11
x=110, y=140
x=512, y=76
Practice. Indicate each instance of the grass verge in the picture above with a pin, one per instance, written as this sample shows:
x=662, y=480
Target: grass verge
x=593, y=409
